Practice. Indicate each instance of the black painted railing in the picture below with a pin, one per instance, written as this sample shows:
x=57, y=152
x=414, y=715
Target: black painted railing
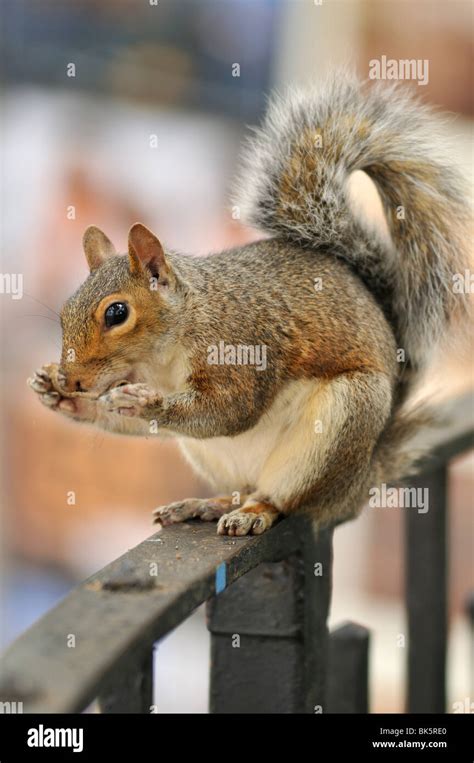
x=272, y=592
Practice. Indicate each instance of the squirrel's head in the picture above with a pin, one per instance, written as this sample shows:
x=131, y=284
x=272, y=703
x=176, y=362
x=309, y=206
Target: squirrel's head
x=123, y=312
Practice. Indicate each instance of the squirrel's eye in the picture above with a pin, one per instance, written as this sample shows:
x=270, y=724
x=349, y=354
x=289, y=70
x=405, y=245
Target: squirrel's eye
x=115, y=314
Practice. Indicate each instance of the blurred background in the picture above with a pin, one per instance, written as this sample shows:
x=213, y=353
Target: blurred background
x=122, y=110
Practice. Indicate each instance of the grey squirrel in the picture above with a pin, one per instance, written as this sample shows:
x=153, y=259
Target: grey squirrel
x=276, y=365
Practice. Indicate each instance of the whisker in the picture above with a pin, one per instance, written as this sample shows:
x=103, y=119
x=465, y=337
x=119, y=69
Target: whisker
x=41, y=303
x=46, y=317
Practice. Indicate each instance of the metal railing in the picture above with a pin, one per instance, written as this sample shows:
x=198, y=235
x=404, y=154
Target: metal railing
x=272, y=591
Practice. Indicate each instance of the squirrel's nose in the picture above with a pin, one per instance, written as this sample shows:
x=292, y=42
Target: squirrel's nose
x=72, y=383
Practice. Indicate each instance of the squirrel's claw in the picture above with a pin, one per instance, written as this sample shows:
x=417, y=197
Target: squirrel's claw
x=41, y=381
x=206, y=509
x=39, y=385
x=252, y=519
x=50, y=399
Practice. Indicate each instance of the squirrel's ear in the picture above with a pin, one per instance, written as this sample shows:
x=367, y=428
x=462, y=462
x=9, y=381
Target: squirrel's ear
x=145, y=250
x=97, y=247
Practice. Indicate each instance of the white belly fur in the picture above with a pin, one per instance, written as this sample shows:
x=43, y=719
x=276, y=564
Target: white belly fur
x=231, y=464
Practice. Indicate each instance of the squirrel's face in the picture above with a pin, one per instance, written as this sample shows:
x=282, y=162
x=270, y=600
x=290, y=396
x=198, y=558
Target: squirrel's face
x=119, y=314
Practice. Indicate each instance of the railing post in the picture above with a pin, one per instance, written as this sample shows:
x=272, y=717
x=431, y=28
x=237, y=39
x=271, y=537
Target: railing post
x=348, y=669
x=470, y=616
x=130, y=690
x=426, y=595
x=317, y=555
x=256, y=641
x=269, y=633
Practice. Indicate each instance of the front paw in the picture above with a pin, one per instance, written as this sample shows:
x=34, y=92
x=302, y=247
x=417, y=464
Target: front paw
x=254, y=518
x=130, y=400
x=42, y=383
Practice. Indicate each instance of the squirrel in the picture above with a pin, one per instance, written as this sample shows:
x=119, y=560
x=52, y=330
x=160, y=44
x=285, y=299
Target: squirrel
x=284, y=367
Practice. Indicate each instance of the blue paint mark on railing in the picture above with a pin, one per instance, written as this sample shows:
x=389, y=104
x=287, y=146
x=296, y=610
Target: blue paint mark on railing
x=220, y=578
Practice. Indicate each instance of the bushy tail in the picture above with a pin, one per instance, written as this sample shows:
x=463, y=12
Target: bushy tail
x=294, y=184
